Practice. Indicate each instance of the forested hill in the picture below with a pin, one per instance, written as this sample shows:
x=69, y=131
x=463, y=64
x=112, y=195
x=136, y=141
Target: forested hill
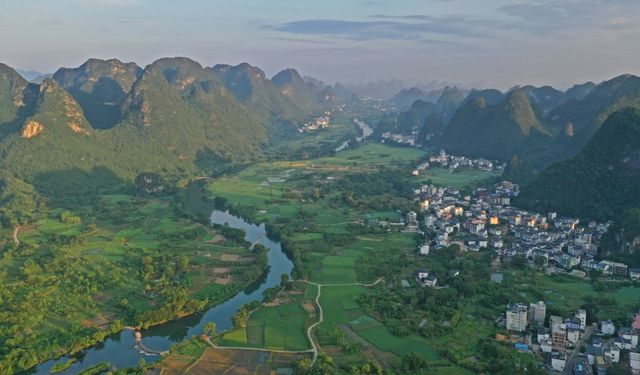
x=174, y=106
x=601, y=181
x=173, y=117
x=495, y=131
x=534, y=126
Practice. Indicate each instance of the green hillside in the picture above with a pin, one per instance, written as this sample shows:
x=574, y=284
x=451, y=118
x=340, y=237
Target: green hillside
x=587, y=115
x=106, y=122
x=249, y=85
x=601, y=181
x=16, y=99
x=495, y=131
x=304, y=95
x=100, y=86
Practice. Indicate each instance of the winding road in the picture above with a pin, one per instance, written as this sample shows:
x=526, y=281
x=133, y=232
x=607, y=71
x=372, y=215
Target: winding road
x=315, y=348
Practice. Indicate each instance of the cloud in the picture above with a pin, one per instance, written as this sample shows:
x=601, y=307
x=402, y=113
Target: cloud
x=113, y=3
x=394, y=28
x=556, y=15
x=304, y=40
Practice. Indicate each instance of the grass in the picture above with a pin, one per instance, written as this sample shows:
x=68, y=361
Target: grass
x=259, y=192
x=62, y=366
x=566, y=293
x=96, y=369
x=459, y=179
x=339, y=304
x=191, y=348
x=383, y=339
x=281, y=327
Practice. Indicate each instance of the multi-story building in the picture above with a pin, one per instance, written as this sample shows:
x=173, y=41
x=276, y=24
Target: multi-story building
x=537, y=312
x=517, y=317
x=607, y=327
x=581, y=315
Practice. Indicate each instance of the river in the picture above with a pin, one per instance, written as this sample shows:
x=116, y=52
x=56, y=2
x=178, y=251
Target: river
x=366, y=132
x=120, y=349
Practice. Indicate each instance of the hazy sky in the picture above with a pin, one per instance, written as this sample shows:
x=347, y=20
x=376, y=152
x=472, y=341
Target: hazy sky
x=467, y=41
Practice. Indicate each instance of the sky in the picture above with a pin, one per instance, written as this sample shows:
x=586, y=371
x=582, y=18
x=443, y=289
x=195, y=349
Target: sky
x=472, y=42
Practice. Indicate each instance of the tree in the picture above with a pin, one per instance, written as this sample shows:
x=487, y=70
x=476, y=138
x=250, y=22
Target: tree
x=413, y=363
x=184, y=264
x=241, y=317
x=210, y=329
x=302, y=367
x=284, y=279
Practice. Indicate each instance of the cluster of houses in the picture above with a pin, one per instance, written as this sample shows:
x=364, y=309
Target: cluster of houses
x=594, y=349
x=554, y=342
x=317, y=123
x=454, y=162
x=403, y=139
x=486, y=219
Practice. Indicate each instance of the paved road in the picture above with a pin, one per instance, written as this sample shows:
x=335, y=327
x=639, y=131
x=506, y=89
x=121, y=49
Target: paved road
x=572, y=357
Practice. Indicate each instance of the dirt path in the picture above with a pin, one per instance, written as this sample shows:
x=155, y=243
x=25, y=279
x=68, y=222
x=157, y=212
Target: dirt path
x=16, y=240
x=315, y=348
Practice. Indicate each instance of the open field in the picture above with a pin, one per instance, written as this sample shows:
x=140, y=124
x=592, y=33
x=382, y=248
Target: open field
x=566, y=293
x=275, y=192
x=326, y=211
x=459, y=179
x=279, y=327
x=226, y=361
x=340, y=128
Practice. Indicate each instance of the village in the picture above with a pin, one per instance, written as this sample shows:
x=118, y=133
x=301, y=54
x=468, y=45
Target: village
x=453, y=162
x=485, y=220
x=568, y=344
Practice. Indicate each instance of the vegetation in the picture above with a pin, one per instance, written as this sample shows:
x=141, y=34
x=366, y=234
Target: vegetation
x=622, y=240
x=575, y=187
x=496, y=131
x=83, y=273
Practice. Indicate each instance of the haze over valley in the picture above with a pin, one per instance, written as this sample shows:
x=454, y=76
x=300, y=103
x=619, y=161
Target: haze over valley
x=351, y=188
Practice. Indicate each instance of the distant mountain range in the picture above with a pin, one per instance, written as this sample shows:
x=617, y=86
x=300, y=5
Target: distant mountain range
x=536, y=125
x=33, y=76
x=172, y=116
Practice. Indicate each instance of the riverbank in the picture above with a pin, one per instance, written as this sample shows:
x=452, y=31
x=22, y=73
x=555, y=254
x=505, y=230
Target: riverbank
x=119, y=348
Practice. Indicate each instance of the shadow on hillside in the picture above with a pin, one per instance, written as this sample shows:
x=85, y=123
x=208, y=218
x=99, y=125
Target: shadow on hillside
x=29, y=98
x=103, y=105
x=74, y=187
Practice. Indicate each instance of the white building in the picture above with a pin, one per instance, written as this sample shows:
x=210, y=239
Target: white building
x=607, y=327
x=424, y=250
x=634, y=360
x=582, y=316
x=613, y=352
x=516, y=317
x=559, y=361
x=573, y=335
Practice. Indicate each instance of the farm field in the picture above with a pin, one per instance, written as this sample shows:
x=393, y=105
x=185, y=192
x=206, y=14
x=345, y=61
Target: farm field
x=459, y=179
x=275, y=193
x=329, y=212
x=341, y=127
x=280, y=325
x=208, y=360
